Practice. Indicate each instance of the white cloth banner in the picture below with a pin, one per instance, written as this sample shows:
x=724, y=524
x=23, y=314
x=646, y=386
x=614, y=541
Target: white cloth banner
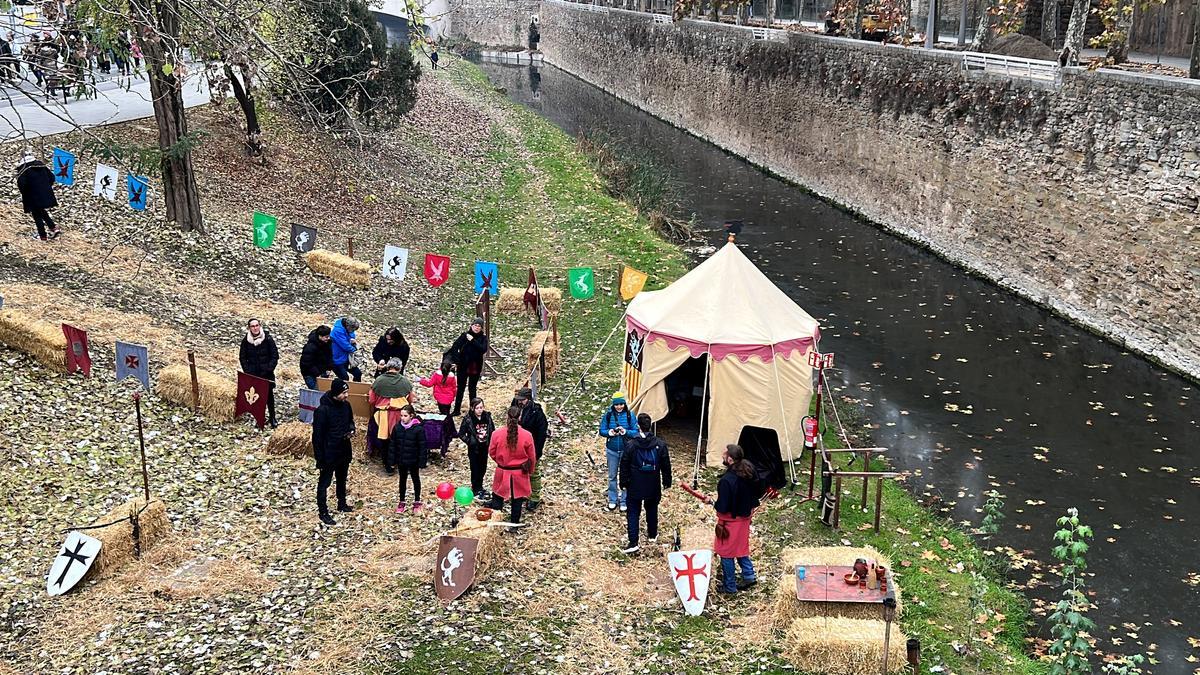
x=395, y=261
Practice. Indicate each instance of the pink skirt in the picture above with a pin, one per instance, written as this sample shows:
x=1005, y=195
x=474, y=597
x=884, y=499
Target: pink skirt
x=737, y=544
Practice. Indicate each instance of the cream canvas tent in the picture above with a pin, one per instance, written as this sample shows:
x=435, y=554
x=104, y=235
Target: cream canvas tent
x=756, y=339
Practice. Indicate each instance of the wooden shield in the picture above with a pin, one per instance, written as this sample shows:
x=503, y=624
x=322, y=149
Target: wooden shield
x=454, y=566
x=74, y=559
x=691, y=571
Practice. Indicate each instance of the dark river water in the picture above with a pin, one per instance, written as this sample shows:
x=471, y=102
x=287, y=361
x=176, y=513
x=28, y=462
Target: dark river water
x=971, y=387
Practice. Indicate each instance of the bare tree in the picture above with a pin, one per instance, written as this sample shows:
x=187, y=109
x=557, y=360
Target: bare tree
x=1050, y=13
x=983, y=34
x=1194, y=66
x=1073, y=46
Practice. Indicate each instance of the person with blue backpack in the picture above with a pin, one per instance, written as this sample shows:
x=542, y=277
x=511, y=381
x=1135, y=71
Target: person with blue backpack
x=645, y=465
x=617, y=424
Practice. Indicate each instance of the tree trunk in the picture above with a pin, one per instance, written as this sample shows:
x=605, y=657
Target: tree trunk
x=1050, y=13
x=983, y=34
x=1118, y=49
x=771, y=9
x=245, y=99
x=856, y=29
x=161, y=27
x=931, y=25
x=714, y=10
x=1073, y=47
x=1194, y=67
x=962, y=24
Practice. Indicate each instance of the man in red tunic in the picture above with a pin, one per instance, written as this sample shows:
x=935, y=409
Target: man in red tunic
x=513, y=451
x=737, y=497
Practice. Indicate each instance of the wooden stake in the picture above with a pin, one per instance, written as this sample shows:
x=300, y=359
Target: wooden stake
x=866, y=467
x=837, y=503
x=137, y=404
x=878, y=501
x=350, y=246
x=195, y=380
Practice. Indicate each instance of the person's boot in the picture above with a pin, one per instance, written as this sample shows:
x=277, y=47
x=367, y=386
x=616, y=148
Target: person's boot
x=345, y=508
x=328, y=519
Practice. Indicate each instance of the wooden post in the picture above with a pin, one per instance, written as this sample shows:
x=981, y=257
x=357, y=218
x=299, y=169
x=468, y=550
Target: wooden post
x=554, y=328
x=837, y=502
x=195, y=380
x=812, y=471
x=137, y=404
x=866, y=467
x=878, y=501
x=350, y=246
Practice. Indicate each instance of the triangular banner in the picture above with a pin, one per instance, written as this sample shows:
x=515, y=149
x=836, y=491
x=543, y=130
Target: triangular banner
x=632, y=282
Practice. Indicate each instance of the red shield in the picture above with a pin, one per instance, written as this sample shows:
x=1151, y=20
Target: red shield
x=437, y=269
x=454, y=566
x=533, y=294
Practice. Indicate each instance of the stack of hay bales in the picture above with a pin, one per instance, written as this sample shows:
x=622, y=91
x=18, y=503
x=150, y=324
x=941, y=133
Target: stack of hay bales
x=291, y=438
x=117, y=534
x=217, y=394
x=512, y=300
x=342, y=269
x=843, y=646
x=42, y=340
x=491, y=546
x=540, y=338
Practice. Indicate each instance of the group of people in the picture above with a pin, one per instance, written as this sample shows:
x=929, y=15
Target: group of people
x=63, y=61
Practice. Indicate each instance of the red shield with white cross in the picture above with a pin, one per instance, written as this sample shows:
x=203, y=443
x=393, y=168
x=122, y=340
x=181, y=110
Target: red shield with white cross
x=691, y=571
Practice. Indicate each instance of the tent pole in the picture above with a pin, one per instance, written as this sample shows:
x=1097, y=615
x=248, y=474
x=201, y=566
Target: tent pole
x=787, y=434
x=703, y=409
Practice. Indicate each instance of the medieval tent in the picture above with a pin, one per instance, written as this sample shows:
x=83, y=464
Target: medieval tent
x=755, y=340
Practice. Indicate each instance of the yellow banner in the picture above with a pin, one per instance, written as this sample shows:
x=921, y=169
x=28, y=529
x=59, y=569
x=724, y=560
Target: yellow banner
x=632, y=282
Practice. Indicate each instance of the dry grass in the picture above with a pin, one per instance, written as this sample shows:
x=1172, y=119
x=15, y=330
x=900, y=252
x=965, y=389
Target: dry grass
x=843, y=646
x=542, y=337
x=41, y=340
x=512, y=300
x=342, y=269
x=291, y=438
x=217, y=393
x=117, y=538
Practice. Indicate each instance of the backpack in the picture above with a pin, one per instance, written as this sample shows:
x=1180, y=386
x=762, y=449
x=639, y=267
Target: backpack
x=645, y=459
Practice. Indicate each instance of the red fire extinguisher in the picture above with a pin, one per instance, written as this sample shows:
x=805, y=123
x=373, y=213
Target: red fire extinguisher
x=810, y=431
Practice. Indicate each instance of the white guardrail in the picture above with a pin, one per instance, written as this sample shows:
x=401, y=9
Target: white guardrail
x=1012, y=66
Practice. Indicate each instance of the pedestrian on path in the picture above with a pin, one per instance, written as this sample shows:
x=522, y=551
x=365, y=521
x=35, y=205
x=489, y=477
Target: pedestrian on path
x=35, y=181
x=533, y=419
x=408, y=452
x=645, y=465
x=259, y=356
x=511, y=448
x=617, y=423
x=738, y=493
x=332, y=429
x=476, y=431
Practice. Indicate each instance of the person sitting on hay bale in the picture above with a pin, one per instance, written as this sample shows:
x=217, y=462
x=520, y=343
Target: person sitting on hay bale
x=259, y=356
x=316, y=360
x=644, y=464
x=332, y=429
x=476, y=431
x=444, y=386
x=391, y=345
x=511, y=448
x=737, y=497
x=389, y=393
x=408, y=452
x=467, y=353
x=615, y=425
x=533, y=419
x=345, y=343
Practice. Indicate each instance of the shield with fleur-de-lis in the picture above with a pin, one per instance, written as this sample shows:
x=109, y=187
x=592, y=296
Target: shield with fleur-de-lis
x=252, y=395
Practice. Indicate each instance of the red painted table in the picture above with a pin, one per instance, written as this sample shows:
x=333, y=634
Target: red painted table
x=826, y=583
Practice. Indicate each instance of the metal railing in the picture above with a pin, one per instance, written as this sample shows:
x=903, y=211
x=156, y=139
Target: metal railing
x=1012, y=66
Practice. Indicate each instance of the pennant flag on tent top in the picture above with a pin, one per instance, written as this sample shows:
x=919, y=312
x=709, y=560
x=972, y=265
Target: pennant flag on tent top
x=395, y=261
x=264, y=229
x=77, y=350
x=487, y=275
x=133, y=361
x=252, y=395
x=582, y=282
x=632, y=282
x=533, y=294
x=139, y=191
x=437, y=269
x=304, y=238
x=64, y=167
x=309, y=400
x=106, y=182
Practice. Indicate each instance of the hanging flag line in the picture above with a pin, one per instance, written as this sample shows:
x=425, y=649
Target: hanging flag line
x=137, y=188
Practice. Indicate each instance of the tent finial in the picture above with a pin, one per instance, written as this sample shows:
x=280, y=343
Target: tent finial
x=732, y=227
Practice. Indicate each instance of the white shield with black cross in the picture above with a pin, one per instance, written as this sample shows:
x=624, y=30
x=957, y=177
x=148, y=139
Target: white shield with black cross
x=74, y=559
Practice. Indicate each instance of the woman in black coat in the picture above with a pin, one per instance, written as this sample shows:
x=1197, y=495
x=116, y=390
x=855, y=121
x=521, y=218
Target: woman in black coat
x=259, y=356
x=391, y=345
x=408, y=452
x=35, y=180
x=476, y=432
x=467, y=353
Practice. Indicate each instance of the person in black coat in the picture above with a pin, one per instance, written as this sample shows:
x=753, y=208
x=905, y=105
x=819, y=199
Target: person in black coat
x=35, y=181
x=476, y=432
x=259, y=356
x=467, y=353
x=408, y=452
x=645, y=463
x=533, y=419
x=391, y=345
x=332, y=429
x=316, y=360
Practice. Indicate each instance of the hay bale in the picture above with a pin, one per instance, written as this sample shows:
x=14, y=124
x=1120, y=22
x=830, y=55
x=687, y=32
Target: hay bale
x=117, y=534
x=342, y=269
x=217, y=394
x=843, y=646
x=787, y=605
x=42, y=340
x=840, y=555
x=512, y=300
x=291, y=438
x=543, y=337
x=491, y=543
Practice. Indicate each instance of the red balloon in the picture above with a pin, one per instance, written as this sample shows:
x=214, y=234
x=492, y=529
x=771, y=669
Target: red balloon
x=445, y=490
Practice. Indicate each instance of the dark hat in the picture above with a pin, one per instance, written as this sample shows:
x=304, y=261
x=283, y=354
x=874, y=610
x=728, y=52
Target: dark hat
x=524, y=394
x=339, y=385
x=478, y=321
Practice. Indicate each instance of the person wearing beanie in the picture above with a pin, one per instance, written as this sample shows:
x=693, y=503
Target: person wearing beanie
x=35, y=181
x=332, y=429
x=533, y=419
x=316, y=359
x=467, y=353
x=259, y=356
x=617, y=423
x=345, y=342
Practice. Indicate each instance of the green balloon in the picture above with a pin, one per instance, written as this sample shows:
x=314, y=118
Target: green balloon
x=464, y=495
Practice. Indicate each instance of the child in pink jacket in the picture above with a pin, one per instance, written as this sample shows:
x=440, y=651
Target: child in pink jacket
x=445, y=387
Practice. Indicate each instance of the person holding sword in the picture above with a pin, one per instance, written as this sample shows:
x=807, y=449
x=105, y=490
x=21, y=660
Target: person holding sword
x=617, y=423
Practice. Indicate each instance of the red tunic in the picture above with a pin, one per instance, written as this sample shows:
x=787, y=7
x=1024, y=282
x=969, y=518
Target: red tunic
x=737, y=544
x=508, y=463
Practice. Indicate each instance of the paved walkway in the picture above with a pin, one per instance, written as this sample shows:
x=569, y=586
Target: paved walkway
x=1142, y=57
x=26, y=113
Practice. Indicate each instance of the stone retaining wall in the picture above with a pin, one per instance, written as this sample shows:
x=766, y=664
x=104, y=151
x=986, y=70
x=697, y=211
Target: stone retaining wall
x=493, y=23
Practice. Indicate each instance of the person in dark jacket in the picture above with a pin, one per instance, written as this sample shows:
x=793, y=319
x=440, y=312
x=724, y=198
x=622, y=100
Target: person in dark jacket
x=738, y=495
x=476, y=432
x=259, y=356
x=616, y=424
x=391, y=345
x=332, y=429
x=35, y=181
x=409, y=453
x=467, y=352
x=316, y=360
x=645, y=463
x=533, y=420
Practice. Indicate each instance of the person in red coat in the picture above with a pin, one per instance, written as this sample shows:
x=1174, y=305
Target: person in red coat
x=512, y=449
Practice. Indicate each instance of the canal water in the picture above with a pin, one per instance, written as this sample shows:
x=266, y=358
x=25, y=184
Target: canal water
x=970, y=387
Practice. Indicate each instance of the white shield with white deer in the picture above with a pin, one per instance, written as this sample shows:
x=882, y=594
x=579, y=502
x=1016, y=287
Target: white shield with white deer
x=454, y=567
x=691, y=571
x=74, y=559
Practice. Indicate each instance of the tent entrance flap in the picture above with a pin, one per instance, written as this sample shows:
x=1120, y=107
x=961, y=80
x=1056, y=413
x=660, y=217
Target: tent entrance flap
x=686, y=401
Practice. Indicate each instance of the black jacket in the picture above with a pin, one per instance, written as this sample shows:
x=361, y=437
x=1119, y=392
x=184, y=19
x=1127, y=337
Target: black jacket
x=35, y=180
x=332, y=427
x=471, y=430
x=317, y=357
x=259, y=361
x=407, y=447
x=737, y=496
x=534, y=421
x=383, y=351
x=468, y=354
x=641, y=484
